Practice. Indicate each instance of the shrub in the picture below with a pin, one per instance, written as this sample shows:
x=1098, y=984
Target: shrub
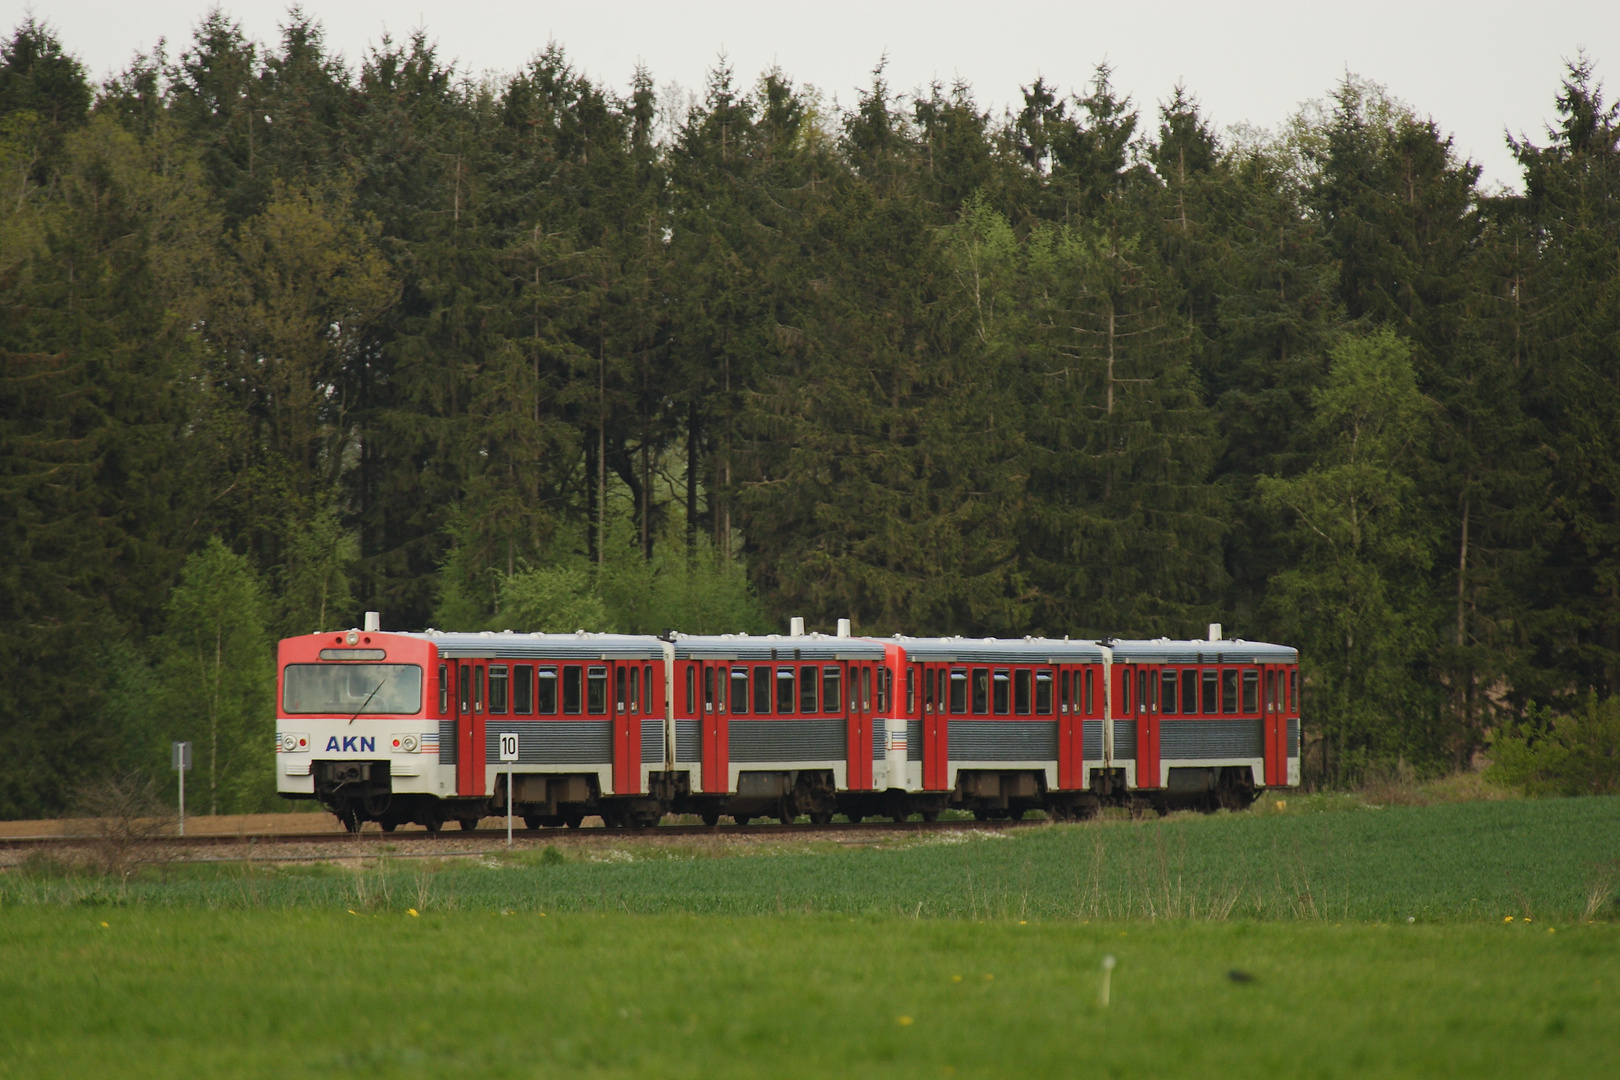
x=1562, y=755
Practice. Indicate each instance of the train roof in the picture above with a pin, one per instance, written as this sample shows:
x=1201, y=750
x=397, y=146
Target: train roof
x=775, y=647
x=1196, y=651
x=1029, y=650
x=578, y=646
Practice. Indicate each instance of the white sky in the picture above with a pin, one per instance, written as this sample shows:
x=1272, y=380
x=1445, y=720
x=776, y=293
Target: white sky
x=1477, y=68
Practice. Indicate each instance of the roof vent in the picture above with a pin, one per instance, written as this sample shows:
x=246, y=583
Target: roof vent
x=1214, y=631
x=796, y=627
x=843, y=628
x=373, y=622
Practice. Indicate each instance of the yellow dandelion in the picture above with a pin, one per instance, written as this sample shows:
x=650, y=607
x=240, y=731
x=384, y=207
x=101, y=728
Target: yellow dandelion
x=1528, y=919
x=351, y=911
x=956, y=978
x=1023, y=922
x=104, y=924
x=1508, y=919
x=411, y=912
x=1282, y=804
x=1550, y=930
x=903, y=1021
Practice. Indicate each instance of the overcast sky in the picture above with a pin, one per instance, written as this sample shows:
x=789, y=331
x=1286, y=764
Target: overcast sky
x=1478, y=68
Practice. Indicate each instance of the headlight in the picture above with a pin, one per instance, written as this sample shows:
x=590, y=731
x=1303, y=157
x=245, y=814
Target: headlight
x=406, y=744
x=289, y=743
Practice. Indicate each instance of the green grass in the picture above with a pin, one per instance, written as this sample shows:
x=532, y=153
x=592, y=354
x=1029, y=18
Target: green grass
x=1462, y=861
x=144, y=992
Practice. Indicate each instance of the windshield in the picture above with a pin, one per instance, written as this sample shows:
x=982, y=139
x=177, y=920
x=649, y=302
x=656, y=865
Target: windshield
x=344, y=689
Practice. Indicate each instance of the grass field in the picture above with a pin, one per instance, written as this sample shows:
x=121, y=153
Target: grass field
x=169, y=993
x=953, y=955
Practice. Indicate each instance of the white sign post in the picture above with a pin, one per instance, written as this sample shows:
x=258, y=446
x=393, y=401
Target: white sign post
x=182, y=762
x=509, y=754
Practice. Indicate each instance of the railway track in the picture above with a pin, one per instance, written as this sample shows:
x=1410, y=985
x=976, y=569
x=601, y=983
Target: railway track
x=448, y=837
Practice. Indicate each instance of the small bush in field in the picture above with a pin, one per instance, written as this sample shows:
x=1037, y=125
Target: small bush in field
x=1563, y=755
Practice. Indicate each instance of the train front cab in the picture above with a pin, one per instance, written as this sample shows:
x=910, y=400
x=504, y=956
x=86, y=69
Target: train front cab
x=1205, y=724
x=775, y=726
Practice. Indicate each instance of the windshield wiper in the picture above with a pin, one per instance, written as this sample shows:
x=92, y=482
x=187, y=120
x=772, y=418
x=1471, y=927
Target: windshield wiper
x=369, y=696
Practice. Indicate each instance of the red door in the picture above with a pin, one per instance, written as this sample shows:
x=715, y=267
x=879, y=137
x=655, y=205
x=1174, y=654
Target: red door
x=936, y=726
x=1136, y=685
x=626, y=730
x=711, y=679
x=1070, y=729
x=1274, y=726
x=469, y=705
x=858, y=723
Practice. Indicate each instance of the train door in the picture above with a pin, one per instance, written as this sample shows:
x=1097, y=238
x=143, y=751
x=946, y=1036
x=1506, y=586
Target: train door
x=1274, y=725
x=469, y=705
x=1135, y=697
x=712, y=680
x=626, y=729
x=936, y=726
x=857, y=758
x=1071, y=729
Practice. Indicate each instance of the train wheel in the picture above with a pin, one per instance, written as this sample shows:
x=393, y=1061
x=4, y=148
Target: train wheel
x=980, y=814
x=468, y=824
x=573, y=821
x=855, y=819
x=741, y=819
x=822, y=818
x=930, y=815
x=388, y=826
x=711, y=820
x=432, y=824
x=532, y=823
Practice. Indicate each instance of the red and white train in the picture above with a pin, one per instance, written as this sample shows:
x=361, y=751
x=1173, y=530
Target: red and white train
x=410, y=727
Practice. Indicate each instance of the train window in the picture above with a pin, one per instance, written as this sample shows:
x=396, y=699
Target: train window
x=981, y=690
x=1023, y=685
x=1229, y=691
x=1293, y=691
x=444, y=690
x=1271, y=691
x=691, y=691
x=523, y=688
x=1251, y=691
x=618, y=689
x=1189, y=691
x=647, y=687
x=1043, y=693
x=928, y=691
x=1063, y=691
x=596, y=690
x=808, y=685
x=762, y=690
x=720, y=690
x=1125, y=694
x=1167, y=692
x=635, y=689
x=1090, y=711
x=1142, y=684
x=784, y=691
x=478, y=689
x=708, y=689
x=466, y=688
x=1001, y=691
x=911, y=690
x=739, y=690
x=866, y=689
x=497, y=688
x=831, y=676
x=573, y=689
x=545, y=692
x=1211, y=679
x=959, y=681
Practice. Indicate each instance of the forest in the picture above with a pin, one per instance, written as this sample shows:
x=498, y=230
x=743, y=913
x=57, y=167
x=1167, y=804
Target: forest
x=287, y=336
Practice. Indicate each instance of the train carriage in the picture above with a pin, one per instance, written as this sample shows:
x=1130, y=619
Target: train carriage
x=781, y=724
x=406, y=727
x=1004, y=726
x=1206, y=723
